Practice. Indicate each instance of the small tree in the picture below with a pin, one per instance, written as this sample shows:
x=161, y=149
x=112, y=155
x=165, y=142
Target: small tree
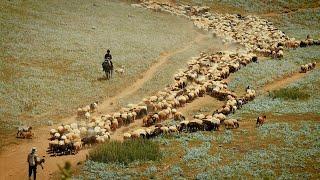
x=66, y=171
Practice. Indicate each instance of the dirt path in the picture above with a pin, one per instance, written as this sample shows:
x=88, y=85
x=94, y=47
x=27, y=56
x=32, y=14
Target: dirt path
x=13, y=159
x=284, y=81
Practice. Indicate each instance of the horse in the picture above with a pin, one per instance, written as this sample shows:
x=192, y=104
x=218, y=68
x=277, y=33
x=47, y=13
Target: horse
x=261, y=120
x=107, y=68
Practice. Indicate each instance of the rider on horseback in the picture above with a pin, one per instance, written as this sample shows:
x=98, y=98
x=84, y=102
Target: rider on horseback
x=108, y=56
x=107, y=64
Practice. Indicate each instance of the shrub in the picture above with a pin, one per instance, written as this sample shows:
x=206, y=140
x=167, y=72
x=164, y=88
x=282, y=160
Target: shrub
x=293, y=93
x=125, y=152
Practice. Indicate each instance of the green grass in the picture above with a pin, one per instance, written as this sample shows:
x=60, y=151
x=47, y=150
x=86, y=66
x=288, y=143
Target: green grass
x=126, y=152
x=283, y=148
x=290, y=93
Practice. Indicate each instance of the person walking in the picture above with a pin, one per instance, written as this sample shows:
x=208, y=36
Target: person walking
x=32, y=161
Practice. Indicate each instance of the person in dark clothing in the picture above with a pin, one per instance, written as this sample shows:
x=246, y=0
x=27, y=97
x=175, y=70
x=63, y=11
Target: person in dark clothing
x=108, y=55
x=32, y=161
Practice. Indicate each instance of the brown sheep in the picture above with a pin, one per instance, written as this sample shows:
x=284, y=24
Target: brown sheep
x=261, y=120
x=231, y=123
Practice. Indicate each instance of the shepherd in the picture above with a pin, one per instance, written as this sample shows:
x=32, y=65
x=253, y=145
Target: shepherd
x=33, y=161
x=107, y=64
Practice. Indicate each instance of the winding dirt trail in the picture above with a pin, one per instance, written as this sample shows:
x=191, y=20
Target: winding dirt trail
x=284, y=80
x=13, y=163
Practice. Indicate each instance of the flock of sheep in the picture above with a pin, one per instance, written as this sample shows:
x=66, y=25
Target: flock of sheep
x=204, y=76
x=256, y=34
x=307, y=67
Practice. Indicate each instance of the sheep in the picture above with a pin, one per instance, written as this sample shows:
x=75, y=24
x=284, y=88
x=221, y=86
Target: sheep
x=77, y=146
x=177, y=116
x=183, y=125
x=148, y=120
x=26, y=134
x=126, y=136
x=94, y=107
x=195, y=125
x=74, y=126
x=120, y=70
x=199, y=116
x=233, y=123
x=23, y=129
x=87, y=115
x=114, y=124
x=100, y=139
x=173, y=129
x=88, y=140
x=211, y=124
x=165, y=129
x=162, y=115
x=138, y=133
x=182, y=100
x=53, y=131
x=83, y=130
x=303, y=68
x=261, y=120
x=61, y=129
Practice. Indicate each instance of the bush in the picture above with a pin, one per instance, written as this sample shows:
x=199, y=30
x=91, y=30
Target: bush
x=125, y=152
x=290, y=93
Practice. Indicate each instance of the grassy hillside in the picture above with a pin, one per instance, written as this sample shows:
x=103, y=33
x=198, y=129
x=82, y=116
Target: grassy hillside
x=51, y=53
x=286, y=147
